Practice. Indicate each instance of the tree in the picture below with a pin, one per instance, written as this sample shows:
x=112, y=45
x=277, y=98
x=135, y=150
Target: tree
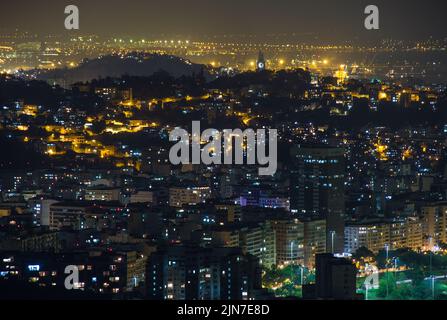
x=387, y=285
x=99, y=126
x=363, y=252
x=402, y=292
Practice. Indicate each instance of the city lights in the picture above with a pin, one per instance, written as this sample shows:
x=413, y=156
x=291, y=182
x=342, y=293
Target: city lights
x=290, y=152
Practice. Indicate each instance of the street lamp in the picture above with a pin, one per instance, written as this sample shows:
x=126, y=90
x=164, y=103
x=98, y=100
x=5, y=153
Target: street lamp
x=387, y=248
x=291, y=251
x=332, y=233
x=302, y=276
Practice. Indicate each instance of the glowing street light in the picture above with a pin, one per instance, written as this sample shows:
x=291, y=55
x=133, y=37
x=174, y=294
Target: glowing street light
x=387, y=248
x=332, y=233
x=291, y=250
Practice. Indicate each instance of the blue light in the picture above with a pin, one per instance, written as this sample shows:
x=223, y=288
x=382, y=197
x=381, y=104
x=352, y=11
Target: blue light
x=34, y=267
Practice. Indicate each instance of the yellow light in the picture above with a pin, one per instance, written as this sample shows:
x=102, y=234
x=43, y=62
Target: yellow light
x=406, y=154
x=22, y=128
x=381, y=150
x=325, y=61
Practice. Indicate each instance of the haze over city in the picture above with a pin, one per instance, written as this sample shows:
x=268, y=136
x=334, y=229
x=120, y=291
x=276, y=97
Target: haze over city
x=327, y=20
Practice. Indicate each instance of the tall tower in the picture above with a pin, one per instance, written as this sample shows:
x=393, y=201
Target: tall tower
x=318, y=189
x=260, y=64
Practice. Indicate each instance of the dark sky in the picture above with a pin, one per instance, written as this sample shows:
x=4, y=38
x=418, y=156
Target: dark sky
x=326, y=19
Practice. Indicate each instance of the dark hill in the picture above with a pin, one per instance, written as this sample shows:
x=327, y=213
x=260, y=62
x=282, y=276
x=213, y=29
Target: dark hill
x=134, y=64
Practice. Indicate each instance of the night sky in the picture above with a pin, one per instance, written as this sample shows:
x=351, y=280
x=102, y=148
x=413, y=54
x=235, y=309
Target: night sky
x=326, y=19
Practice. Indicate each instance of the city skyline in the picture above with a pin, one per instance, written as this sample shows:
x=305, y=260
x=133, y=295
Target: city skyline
x=241, y=151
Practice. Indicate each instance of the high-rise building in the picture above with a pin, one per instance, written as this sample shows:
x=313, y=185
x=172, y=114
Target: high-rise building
x=406, y=233
x=231, y=210
x=376, y=235
x=335, y=279
x=73, y=215
x=41, y=211
x=181, y=196
x=194, y=273
x=142, y=197
x=289, y=241
x=260, y=242
x=434, y=224
x=102, y=194
x=257, y=239
x=314, y=240
x=103, y=272
x=318, y=189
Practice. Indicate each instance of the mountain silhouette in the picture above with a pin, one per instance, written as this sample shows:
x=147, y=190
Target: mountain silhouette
x=132, y=64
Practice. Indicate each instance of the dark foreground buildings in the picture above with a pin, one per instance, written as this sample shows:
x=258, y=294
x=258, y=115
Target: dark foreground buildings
x=193, y=273
x=103, y=272
x=335, y=279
